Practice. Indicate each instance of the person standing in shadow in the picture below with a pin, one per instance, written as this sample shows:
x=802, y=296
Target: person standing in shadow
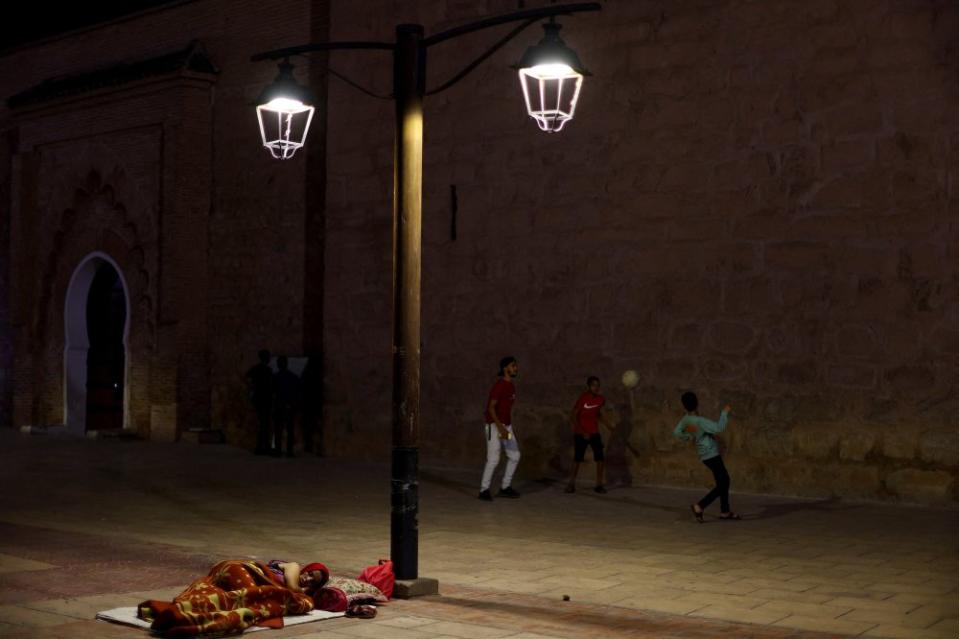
x=286, y=391
x=311, y=382
x=259, y=381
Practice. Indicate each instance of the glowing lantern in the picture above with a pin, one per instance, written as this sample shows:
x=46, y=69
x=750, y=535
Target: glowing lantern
x=284, y=110
x=551, y=76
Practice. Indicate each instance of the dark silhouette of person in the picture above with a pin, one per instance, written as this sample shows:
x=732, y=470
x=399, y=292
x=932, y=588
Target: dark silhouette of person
x=260, y=382
x=286, y=395
x=620, y=451
x=311, y=382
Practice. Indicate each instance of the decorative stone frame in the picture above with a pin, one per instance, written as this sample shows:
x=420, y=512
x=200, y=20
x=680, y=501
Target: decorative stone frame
x=77, y=342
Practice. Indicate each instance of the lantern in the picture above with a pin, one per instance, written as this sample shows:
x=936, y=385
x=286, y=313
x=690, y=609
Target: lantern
x=285, y=112
x=551, y=76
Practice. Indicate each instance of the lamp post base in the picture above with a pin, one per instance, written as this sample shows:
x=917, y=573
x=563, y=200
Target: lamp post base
x=419, y=587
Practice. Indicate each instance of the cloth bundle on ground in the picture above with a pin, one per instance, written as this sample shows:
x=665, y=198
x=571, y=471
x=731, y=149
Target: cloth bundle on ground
x=342, y=593
x=235, y=595
x=356, y=597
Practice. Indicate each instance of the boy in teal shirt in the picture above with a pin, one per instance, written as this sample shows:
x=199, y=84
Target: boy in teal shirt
x=692, y=427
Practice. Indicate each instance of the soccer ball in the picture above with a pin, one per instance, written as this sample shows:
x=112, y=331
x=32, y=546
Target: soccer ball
x=630, y=378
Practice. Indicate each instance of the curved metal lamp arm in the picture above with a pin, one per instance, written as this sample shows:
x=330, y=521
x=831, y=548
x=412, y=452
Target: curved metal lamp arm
x=527, y=18
x=516, y=16
x=475, y=63
x=314, y=47
x=276, y=54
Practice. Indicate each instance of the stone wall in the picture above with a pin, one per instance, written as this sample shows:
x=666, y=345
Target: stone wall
x=165, y=175
x=756, y=200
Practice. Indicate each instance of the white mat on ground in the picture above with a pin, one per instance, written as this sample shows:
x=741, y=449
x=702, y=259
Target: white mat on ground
x=128, y=616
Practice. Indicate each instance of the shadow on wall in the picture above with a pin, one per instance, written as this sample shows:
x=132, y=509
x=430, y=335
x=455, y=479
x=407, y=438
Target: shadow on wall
x=620, y=452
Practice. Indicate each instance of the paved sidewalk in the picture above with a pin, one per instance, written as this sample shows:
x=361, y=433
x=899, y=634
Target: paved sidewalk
x=90, y=525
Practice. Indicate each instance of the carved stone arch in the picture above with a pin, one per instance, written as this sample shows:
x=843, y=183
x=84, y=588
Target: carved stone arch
x=77, y=342
x=94, y=222
x=94, y=225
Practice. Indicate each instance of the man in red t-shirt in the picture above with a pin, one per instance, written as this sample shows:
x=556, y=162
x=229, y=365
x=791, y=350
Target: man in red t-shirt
x=585, y=419
x=499, y=431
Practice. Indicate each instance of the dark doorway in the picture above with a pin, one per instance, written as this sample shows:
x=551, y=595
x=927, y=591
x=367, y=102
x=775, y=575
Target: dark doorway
x=106, y=318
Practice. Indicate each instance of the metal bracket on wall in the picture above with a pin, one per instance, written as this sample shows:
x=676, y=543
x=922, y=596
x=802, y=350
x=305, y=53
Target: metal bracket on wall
x=453, y=208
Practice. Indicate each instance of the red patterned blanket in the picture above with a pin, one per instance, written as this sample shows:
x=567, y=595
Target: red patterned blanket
x=235, y=595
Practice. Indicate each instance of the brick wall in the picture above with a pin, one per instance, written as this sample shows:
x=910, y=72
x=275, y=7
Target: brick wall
x=208, y=230
x=755, y=201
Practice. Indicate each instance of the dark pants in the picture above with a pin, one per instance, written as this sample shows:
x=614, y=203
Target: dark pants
x=284, y=419
x=581, y=442
x=721, y=489
x=262, y=426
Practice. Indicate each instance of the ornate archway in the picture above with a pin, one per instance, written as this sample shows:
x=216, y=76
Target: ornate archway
x=96, y=362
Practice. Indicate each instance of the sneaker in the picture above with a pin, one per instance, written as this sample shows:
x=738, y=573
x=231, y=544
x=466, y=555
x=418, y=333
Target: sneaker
x=508, y=492
x=485, y=496
x=570, y=489
x=601, y=489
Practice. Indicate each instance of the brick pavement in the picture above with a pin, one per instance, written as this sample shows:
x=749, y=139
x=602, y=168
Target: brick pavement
x=131, y=520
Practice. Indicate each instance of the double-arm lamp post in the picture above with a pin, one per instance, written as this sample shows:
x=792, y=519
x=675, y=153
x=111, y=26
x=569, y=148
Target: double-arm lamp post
x=551, y=76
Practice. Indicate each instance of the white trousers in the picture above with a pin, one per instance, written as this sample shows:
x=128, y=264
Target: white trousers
x=493, y=447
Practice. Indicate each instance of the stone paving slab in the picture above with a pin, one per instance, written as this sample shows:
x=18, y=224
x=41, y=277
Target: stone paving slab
x=569, y=620
x=18, y=564
x=825, y=624
x=130, y=520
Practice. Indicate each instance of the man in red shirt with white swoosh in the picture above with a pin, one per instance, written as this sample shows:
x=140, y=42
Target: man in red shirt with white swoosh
x=585, y=419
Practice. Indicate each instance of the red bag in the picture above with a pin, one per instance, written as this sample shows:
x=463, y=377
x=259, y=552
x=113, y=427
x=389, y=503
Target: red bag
x=380, y=576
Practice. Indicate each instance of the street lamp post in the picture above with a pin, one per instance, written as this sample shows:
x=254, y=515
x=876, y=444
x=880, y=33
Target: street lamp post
x=551, y=77
x=409, y=65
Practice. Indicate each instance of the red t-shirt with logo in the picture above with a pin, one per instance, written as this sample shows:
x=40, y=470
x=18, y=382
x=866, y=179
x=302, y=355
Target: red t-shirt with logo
x=587, y=413
x=504, y=393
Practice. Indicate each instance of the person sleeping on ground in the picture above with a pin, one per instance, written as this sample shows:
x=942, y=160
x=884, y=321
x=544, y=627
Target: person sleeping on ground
x=235, y=595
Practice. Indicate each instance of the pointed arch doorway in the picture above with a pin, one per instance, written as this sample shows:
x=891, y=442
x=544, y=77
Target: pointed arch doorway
x=96, y=316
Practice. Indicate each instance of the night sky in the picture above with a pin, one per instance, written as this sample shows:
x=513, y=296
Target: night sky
x=38, y=20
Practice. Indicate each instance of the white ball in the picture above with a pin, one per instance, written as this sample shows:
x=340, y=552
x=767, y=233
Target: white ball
x=630, y=378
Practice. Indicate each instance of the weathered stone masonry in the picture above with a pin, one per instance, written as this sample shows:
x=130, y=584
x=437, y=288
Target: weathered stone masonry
x=756, y=200
x=122, y=144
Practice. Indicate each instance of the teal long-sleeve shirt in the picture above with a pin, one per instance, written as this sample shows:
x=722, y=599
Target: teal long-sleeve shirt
x=706, y=444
